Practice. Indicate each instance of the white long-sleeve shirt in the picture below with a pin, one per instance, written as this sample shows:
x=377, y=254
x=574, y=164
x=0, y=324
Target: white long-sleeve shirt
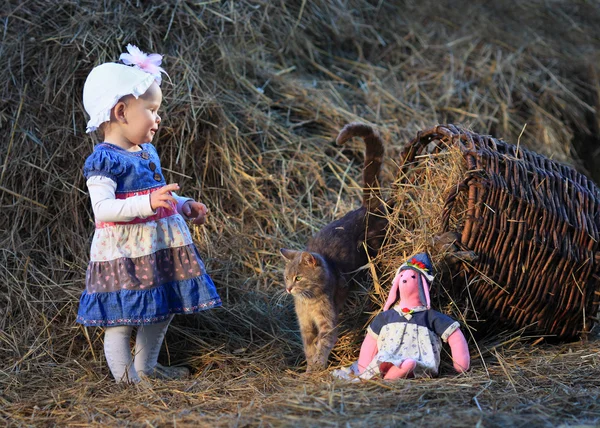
x=109, y=209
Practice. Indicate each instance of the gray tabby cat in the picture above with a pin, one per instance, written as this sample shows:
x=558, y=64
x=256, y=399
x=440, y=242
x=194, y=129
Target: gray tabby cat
x=318, y=277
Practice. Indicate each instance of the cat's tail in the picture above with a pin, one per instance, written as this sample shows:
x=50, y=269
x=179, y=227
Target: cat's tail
x=373, y=160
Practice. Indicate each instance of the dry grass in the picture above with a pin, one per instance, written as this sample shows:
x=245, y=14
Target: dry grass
x=258, y=92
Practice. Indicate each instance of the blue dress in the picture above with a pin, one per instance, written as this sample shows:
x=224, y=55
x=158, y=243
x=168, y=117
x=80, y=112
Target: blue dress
x=141, y=271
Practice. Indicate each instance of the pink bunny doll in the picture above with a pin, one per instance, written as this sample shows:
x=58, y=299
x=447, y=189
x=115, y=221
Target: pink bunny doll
x=404, y=340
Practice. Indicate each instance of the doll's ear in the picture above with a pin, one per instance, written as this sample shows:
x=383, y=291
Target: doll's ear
x=425, y=285
x=288, y=254
x=392, y=297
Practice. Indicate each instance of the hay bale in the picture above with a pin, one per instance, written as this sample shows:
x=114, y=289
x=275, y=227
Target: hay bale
x=533, y=224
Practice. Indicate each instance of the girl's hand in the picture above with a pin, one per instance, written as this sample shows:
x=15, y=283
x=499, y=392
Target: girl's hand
x=162, y=197
x=196, y=211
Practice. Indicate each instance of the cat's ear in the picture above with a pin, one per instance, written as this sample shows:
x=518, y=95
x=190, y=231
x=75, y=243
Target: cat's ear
x=309, y=260
x=288, y=254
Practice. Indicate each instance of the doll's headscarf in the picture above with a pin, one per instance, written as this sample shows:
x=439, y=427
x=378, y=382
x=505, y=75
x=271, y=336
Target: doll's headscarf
x=109, y=82
x=420, y=263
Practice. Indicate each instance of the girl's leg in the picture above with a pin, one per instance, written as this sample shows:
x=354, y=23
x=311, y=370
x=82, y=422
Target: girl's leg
x=147, y=345
x=118, y=353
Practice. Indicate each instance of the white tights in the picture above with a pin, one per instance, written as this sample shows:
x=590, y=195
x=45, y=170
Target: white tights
x=148, y=341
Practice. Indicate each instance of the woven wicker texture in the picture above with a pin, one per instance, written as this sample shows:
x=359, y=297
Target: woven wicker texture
x=534, y=225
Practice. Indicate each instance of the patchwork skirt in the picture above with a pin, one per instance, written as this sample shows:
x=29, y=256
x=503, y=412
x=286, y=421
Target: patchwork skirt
x=144, y=271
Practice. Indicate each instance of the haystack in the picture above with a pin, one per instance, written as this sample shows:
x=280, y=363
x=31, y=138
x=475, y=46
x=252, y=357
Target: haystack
x=517, y=232
x=257, y=92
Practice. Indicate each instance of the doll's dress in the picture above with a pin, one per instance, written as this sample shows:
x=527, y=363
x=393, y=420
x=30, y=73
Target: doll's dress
x=144, y=270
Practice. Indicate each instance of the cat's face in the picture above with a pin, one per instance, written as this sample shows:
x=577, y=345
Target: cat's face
x=305, y=274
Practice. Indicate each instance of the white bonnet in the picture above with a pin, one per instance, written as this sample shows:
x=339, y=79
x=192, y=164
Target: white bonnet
x=109, y=82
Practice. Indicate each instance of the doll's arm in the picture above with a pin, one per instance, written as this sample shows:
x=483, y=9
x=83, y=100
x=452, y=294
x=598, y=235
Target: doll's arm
x=368, y=350
x=460, y=351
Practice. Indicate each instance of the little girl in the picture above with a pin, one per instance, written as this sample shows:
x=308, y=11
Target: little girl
x=144, y=267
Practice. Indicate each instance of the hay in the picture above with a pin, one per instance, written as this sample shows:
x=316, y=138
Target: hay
x=418, y=211
x=258, y=92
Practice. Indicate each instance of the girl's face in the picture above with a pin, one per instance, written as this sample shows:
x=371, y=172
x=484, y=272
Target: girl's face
x=141, y=116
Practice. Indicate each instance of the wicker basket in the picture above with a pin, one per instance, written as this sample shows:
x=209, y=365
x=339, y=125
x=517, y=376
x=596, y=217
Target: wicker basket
x=533, y=224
